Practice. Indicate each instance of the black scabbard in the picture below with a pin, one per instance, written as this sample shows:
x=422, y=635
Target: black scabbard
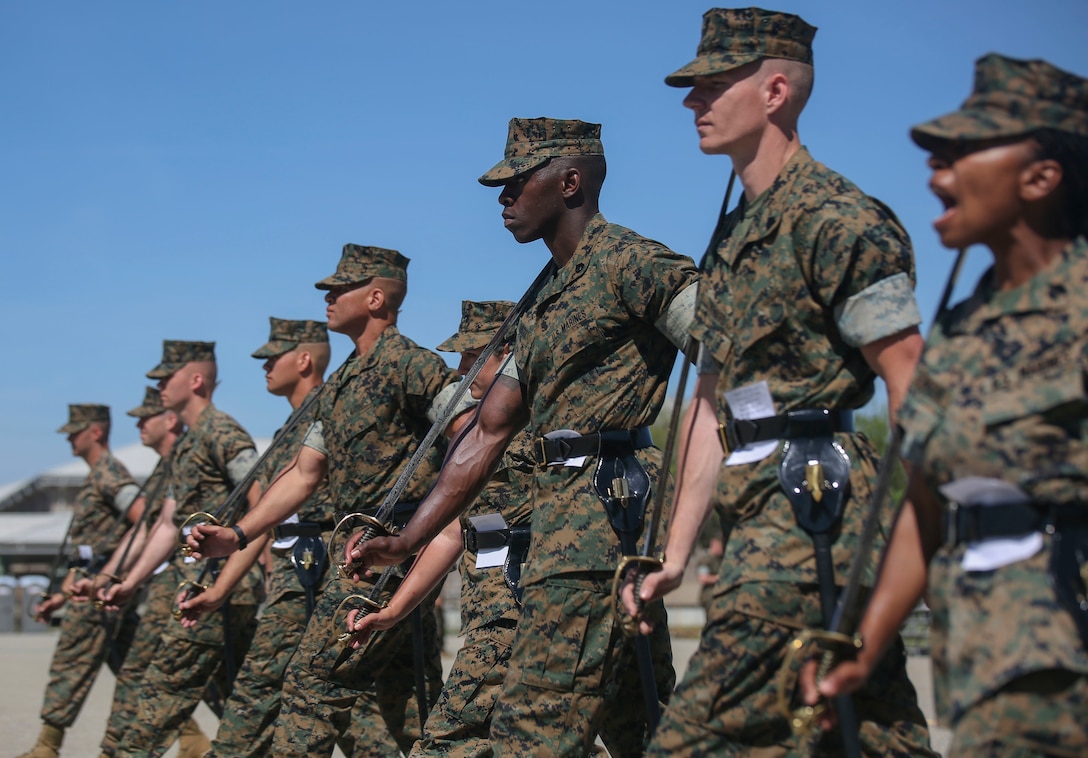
x=644, y=657
x=229, y=665
x=418, y=654
x=844, y=704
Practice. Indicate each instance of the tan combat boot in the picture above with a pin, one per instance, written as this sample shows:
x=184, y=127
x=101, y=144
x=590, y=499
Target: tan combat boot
x=48, y=744
x=193, y=742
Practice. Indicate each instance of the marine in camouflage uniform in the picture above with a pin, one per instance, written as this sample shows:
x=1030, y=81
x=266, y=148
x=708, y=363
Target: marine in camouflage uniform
x=158, y=602
x=592, y=355
x=995, y=419
x=369, y=420
x=459, y=724
x=296, y=356
x=802, y=279
x=461, y=720
x=98, y=520
x=207, y=463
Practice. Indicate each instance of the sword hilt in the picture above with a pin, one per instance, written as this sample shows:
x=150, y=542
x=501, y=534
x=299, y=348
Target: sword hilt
x=803, y=719
x=368, y=606
x=196, y=519
x=373, y=528
x=643, y=565
x=195, y=588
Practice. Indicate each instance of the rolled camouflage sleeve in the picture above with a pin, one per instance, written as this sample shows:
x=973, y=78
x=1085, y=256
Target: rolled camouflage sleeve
x=880, y=310
x=315, y=438
x=864, y=269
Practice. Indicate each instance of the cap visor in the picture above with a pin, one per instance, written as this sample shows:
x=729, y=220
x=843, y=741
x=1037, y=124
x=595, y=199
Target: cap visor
x=72, y=428
x=966, y=126
x=273, y=348
x=511, y=168
x=162, y=371
x=706, y=65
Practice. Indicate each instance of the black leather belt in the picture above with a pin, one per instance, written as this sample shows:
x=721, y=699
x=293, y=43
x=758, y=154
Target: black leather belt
x=973, y=523
x=546, y=450
x=821, y=422
x=300, y=529
x=475, y=541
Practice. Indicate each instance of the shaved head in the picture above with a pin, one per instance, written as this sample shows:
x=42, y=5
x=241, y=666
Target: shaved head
x=801, y=78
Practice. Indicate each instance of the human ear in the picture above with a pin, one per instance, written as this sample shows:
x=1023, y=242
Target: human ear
x=1040, y=179
x=303, y=361
x=776, y=92
x=571, y=182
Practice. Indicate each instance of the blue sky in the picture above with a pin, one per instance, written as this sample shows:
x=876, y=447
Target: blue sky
x=186, y=170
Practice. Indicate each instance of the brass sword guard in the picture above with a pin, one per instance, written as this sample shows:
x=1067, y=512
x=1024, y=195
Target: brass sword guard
x=368, y=606
x=197, y=588
x=200, y=517
x=376, y=528
x=627, y=622
x=114, y=579
x=803, y=719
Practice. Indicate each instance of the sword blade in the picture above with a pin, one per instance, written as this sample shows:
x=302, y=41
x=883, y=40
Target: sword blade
x=848, y=612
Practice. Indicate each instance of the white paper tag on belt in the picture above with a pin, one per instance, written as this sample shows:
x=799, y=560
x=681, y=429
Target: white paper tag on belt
x=991, y=554
x=493, y=556
x=748, y=402
x=287, y=542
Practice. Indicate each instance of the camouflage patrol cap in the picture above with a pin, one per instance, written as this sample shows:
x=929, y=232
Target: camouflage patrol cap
x=733, y=37
x=480, y=321
x=1012, y=97
x=287, y=335
x=83, y=415
x=531, y=142
x=359, y=263
x=152, y=405
x=176, y=353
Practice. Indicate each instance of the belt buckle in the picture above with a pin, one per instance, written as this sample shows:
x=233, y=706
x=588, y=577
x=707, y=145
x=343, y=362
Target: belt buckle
x=723, y=436
x=542, y=451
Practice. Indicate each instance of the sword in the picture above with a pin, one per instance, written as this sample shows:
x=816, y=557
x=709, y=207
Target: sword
x=645, y=561
x=840, y=632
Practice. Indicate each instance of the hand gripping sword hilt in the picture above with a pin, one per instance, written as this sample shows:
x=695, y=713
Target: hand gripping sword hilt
x=368, y=606
x=642, y=565
x=113, y=579
x=373, y=528
x=803, y=719
x=196, y=589
x=196, y=519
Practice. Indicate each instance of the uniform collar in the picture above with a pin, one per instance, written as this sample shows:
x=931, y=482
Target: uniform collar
x=579, y=263
x=763, y=213
x=1045, y=291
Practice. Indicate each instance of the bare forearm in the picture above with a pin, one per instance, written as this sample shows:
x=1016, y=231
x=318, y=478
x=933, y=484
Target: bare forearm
x=471, y=461
x=160, y=545
x=893, y=359
x=113, y=565
x=285, y=495
x=429, y=569
x=903, y=575
x=238, y=565
x=699, y=460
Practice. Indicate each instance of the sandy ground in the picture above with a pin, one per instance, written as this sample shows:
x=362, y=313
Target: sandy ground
x=24, y=664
